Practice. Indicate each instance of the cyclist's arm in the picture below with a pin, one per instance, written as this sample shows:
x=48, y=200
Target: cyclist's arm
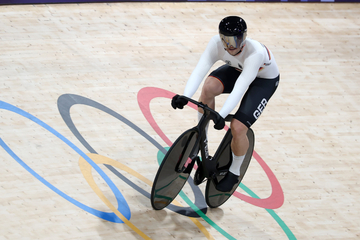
x=250, y=70
x=207, y=60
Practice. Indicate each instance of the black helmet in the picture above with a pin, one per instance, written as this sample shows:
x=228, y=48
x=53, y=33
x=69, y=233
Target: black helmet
x=232, y=31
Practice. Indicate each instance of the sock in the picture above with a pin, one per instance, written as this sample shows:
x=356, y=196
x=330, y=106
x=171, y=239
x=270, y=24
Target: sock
x=236, y=164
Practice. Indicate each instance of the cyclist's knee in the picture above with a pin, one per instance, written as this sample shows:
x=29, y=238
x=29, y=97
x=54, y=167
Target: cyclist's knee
x=238, y=129
x=240, y=142
x=212, y=87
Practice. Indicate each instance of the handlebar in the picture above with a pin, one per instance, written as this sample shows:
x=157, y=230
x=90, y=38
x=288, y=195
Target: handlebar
x=206, y=107
x=200, y=104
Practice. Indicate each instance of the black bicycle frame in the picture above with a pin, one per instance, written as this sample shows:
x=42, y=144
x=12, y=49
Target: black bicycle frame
x=209, y=164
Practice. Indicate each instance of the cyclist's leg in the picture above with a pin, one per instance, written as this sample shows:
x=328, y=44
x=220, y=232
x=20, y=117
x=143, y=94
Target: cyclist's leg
x=239, y=147
x=212, y=87
x=239, y=143
x=252, y=105
x=221, y=80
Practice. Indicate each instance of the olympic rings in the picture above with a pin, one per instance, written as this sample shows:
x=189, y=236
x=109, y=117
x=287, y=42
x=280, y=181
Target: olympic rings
x=122, y=213
x=119, y=215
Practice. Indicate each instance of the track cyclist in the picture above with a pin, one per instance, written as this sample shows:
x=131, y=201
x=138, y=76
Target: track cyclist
x=250, y=76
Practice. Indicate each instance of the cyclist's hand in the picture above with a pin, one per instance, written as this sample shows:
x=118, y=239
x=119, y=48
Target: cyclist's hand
x=219, y=123
x=178, y=102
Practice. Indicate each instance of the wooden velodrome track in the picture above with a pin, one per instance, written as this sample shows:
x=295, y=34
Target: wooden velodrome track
x=81, y=80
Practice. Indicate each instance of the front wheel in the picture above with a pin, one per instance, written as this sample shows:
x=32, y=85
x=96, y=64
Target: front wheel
x=174, y=170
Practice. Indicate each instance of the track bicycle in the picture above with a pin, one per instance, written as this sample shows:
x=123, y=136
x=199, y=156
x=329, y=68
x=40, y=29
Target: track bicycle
x=178, y=162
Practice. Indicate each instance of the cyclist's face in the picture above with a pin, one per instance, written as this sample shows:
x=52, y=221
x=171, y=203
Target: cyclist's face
x=233, y=51
x=231, y=44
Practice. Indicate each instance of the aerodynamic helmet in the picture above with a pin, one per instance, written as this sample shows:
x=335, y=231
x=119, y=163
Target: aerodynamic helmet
x=232, y=31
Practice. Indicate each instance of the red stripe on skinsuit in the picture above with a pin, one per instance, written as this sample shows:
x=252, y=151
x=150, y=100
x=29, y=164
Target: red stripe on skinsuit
x=268, y=52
